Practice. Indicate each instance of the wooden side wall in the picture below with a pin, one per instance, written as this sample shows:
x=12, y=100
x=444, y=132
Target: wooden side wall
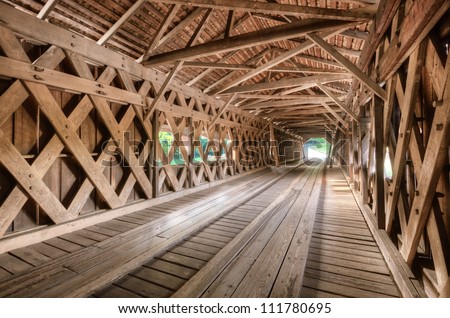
x=411, y=127
x=78, y=133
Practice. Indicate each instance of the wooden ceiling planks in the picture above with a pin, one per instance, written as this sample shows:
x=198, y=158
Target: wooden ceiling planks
x=146, y=30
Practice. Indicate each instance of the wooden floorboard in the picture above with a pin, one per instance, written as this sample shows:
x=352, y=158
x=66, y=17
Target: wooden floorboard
x=343, y=259
x=312, y=243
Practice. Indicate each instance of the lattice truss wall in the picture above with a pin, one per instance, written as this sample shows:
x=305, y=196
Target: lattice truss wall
x=79, y=131
x=410, y=124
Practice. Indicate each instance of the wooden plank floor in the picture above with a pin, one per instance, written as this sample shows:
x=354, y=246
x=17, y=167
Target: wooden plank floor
x=168, y=272
x=343, y=258
x=302, y=235
x=62, y=265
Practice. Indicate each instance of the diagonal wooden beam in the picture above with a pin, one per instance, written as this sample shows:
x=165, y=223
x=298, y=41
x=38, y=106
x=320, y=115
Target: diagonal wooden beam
x=230, y=24
x=64, y=128
x=176, y=67
x=66, y=132
x=268, y=35
x=221, y=110
x=116, y=26
x=116, y=131
x=51, y=58
x=335, y=114
x=371, y=84
x=170, y=77
x=338, y=102
x=409, y=102
x=46, y=9
x=206, y=72
x=180, y=26
x=17, y=198
x=281, y=58
x=433, y=164
x=253, y=60
x=281, y=9
x=32, y=184
x=159, y=34
x=422, y=16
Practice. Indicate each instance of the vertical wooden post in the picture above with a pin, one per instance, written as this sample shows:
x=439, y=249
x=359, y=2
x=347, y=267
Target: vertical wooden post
x=274, y=145
x=156, y=149
x=191, y=154
x=378, y=193
x=349, y=150
x=331, y=149
x=363, y=184
x=354, y=153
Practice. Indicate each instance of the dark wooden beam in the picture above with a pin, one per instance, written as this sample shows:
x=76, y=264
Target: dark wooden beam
x=268, y=35
x=281, y=9
x=377, y=140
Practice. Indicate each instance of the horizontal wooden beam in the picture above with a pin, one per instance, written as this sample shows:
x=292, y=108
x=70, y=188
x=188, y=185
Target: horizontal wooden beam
x=25, y=71
x=290, y=102
x=292, y=82
x=268, y=35
x=31, y=27
x=27, y=238
x=275, y=96
x=227, y=66
x=281, y=9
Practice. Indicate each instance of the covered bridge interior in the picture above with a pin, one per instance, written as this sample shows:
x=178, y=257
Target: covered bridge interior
x=156, y=148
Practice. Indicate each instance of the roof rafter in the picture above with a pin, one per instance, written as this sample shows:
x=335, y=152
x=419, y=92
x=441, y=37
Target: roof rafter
x=282, y=9
x=116, y=26
x=268, y=35
x=283, y=57
x=292, y=82
x=370, y=83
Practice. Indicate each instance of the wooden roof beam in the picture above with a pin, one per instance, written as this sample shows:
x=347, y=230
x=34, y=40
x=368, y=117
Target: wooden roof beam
x=46, y=9
x=281, y=9
x=338, y=102
x=319, y=60
x=305, y=99
x=177, y=66
x=292, y=82
x=335, y=114
x=227, y=66
x=254, y=60
x=268, y=35
x=160, y=33
x=236, y=26
x=276, y=96
x=284, y=56
x=356, y=34
x=116, y=26
x=371, y=84
x=179, y=27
